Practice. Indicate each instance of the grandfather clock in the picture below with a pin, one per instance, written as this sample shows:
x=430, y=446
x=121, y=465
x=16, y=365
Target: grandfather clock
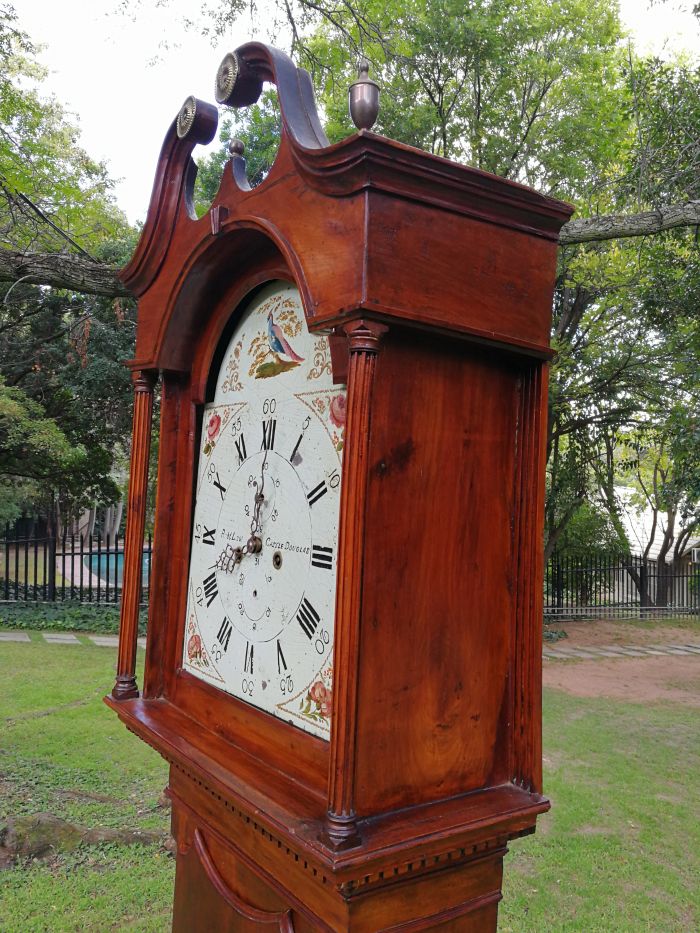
x=344, y=648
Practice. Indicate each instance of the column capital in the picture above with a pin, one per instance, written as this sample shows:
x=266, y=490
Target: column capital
x=364, y=336
x=144, y=380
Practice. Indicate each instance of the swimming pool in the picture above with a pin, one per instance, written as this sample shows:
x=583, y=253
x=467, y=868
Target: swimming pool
x=110, y=567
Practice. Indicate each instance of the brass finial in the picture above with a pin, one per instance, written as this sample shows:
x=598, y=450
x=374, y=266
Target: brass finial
x=364, y=98
x=236, y=147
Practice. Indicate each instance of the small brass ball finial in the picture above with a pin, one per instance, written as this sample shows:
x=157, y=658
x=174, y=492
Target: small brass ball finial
x=185, y=118
x=236, y=147
x=364, y=98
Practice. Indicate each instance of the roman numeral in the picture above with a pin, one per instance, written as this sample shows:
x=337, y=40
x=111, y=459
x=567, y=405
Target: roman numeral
x=308, y=618
x=208, y=536
x=268, y=441
x=317, y=492
x=217, y=483
x=281, y=663
x=240, y=449
x=321, y=557
x=248, y=665
x=224, y=633
x=296, y=447
x=211, y=590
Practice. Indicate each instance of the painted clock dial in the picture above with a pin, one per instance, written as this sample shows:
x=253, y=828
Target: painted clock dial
x=261, y=589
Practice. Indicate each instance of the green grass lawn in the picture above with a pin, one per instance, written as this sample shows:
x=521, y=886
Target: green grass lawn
x=620, y=850
x=619, y=853
x=63, y=751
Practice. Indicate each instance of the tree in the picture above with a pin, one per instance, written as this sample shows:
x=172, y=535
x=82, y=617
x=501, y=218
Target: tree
x=60, y=368
x=34, y=452
x=541, y=93
x=259, y=128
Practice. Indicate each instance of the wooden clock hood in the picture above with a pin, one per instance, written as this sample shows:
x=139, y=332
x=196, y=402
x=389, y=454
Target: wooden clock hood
x=434, y=281
x=368, y=225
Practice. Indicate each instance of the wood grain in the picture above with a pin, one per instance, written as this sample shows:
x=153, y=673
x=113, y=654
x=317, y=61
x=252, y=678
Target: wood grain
x=125, y=685
x=434, y=762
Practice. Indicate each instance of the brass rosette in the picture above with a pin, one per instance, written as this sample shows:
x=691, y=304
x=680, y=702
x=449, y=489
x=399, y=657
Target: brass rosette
x=185, y=118
x=226, y=78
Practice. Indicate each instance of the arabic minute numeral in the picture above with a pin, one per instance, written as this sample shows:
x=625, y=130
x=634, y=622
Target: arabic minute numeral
x=323, y=639
x=286, y=684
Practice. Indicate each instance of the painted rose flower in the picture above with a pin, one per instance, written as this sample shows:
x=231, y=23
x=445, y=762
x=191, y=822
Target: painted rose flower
x=213, y=426
x=338, y=410
x=322, y=697
x=317, y=692
x=194, y=647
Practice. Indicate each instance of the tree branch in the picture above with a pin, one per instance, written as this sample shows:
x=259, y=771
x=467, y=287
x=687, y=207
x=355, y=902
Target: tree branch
x=65, y=270
x=612, y=226
x=61, y=270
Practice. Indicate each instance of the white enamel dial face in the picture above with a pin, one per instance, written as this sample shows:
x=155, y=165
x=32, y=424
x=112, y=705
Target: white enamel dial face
x=261, y=589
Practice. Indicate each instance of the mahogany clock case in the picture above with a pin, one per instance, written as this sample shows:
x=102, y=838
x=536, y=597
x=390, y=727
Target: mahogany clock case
x=434, y=283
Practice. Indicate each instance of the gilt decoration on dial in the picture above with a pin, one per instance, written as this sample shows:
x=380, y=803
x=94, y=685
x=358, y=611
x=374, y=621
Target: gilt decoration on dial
x=261, y=591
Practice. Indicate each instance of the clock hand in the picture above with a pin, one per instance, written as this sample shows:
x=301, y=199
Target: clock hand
x=229, y=558
x=254, y=543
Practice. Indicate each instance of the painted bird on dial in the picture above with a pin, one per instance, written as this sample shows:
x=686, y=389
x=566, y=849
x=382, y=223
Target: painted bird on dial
x=278, y=342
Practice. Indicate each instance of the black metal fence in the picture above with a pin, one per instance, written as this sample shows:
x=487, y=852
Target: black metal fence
x=597, y=586
x=84, y=568
x=89, y=569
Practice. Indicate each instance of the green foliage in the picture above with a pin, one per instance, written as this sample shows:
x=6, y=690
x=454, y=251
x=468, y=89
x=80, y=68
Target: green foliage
x=65, y=617
x=591, y=533
x=527, y=90
x=51, y=191
x=65, y=394
x=259, y=128
x=35, y=455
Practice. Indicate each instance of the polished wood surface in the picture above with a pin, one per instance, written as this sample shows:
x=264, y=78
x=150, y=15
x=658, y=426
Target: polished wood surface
x=434, y=282
x=125, y=685
x=363, y=340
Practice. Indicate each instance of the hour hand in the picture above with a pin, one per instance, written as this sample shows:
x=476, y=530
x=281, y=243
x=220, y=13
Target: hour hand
x=229, y=558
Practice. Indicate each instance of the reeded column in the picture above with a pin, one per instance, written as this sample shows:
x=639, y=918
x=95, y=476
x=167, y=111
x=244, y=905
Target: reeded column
x=364, y=339
x=125, y=686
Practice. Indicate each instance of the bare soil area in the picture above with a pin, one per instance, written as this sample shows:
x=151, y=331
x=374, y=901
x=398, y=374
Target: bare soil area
x=675, y=678
x=637, y=680
x=606, y=632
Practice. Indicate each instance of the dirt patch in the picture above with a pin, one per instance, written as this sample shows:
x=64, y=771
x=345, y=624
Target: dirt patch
x=675, y=678
x=605, y=632
x=41, y=835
